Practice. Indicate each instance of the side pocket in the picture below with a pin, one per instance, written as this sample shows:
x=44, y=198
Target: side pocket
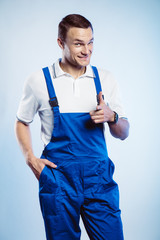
x=111, y=168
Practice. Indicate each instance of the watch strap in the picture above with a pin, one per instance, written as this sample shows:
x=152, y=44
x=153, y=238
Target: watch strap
x=116, y=117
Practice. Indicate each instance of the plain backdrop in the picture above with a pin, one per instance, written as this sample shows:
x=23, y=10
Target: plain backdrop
x=127, y=36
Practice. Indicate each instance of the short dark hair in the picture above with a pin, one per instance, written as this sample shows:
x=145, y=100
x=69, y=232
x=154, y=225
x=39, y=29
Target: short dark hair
x=72, y=20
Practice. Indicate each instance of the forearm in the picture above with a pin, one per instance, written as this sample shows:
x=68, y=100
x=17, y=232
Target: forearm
x=24, y=139
x=120, y=129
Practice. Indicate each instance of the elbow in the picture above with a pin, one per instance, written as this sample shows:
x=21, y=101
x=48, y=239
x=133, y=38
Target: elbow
x=125, y=133
x=124, y=136
x=18, y=127
x=120, y=130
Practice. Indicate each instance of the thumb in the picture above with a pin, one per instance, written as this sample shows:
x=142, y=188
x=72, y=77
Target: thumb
x=100, y=99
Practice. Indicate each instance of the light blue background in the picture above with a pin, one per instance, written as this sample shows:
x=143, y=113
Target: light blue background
x=127, y=42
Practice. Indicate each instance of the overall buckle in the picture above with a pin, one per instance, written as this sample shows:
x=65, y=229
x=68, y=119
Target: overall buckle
x=53, y=102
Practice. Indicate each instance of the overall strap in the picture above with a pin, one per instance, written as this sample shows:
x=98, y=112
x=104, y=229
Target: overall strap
x=97, y=82
x=53, y=99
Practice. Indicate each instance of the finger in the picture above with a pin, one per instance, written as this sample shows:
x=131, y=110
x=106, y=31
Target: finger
x=92, y=113
x=98, y=117
x=100, y=98
x=49, y=163
x=98, y=120
x=99, y=112
x=94, y=118
x=96, y=112
x=99, y=107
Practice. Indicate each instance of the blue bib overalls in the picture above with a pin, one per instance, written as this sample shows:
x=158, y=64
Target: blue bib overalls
x=82, y=183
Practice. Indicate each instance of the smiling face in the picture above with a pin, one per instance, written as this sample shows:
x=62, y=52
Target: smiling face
x=78, y=46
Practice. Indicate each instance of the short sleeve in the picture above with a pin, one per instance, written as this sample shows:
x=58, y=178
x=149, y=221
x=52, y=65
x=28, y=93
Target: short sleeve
x=111, y=92
x=28, y=105
x=115, y=101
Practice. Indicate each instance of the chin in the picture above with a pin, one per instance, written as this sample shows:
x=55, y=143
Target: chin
x=84, y=63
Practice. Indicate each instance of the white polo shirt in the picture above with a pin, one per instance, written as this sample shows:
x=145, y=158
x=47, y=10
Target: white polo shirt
x=74, y=95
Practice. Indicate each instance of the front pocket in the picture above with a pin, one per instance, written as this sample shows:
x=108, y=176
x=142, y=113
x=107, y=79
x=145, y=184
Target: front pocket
x=49, y=192
x=42, y=172
x=105, y=171
x=49, y=181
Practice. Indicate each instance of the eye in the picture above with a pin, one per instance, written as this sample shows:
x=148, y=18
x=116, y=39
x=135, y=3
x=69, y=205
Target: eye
x=90, y=43
x=77, y=44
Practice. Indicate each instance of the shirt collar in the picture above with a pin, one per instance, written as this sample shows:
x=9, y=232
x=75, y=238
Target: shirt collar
x=58, y=72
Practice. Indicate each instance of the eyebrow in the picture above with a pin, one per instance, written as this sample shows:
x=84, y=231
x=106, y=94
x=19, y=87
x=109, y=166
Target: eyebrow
x=78, y=40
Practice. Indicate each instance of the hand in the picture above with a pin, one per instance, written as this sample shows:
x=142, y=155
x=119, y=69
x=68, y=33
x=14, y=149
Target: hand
x=102, y=113
x=38, y=164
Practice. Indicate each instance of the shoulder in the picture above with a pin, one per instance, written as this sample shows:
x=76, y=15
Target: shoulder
x=107, y=78
x=34, y=78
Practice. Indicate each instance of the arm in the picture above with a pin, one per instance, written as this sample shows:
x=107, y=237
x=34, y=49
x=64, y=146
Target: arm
x=120, y=129
x=104, y=114
x=24, y=139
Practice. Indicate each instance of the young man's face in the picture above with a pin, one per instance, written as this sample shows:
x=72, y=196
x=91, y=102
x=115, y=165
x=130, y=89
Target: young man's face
x=78, y=47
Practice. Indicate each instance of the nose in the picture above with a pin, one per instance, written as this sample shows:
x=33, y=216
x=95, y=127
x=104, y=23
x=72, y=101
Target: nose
x=85, y=50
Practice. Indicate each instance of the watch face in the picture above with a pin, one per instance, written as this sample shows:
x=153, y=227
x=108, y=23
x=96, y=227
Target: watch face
x=116, y=117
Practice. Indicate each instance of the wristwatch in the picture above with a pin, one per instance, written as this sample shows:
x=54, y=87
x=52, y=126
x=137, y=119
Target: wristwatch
x=116, y=117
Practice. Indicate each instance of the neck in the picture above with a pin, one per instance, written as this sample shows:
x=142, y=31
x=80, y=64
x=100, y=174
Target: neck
x=74, y=71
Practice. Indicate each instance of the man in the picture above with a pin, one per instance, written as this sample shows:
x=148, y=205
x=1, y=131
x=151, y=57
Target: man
x=74, y=171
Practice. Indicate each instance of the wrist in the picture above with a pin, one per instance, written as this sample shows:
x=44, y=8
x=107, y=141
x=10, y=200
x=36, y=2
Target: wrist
x=30, y=158
x=114, y=118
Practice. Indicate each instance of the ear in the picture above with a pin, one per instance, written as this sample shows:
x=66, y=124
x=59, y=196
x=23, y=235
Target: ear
x=60, y=43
